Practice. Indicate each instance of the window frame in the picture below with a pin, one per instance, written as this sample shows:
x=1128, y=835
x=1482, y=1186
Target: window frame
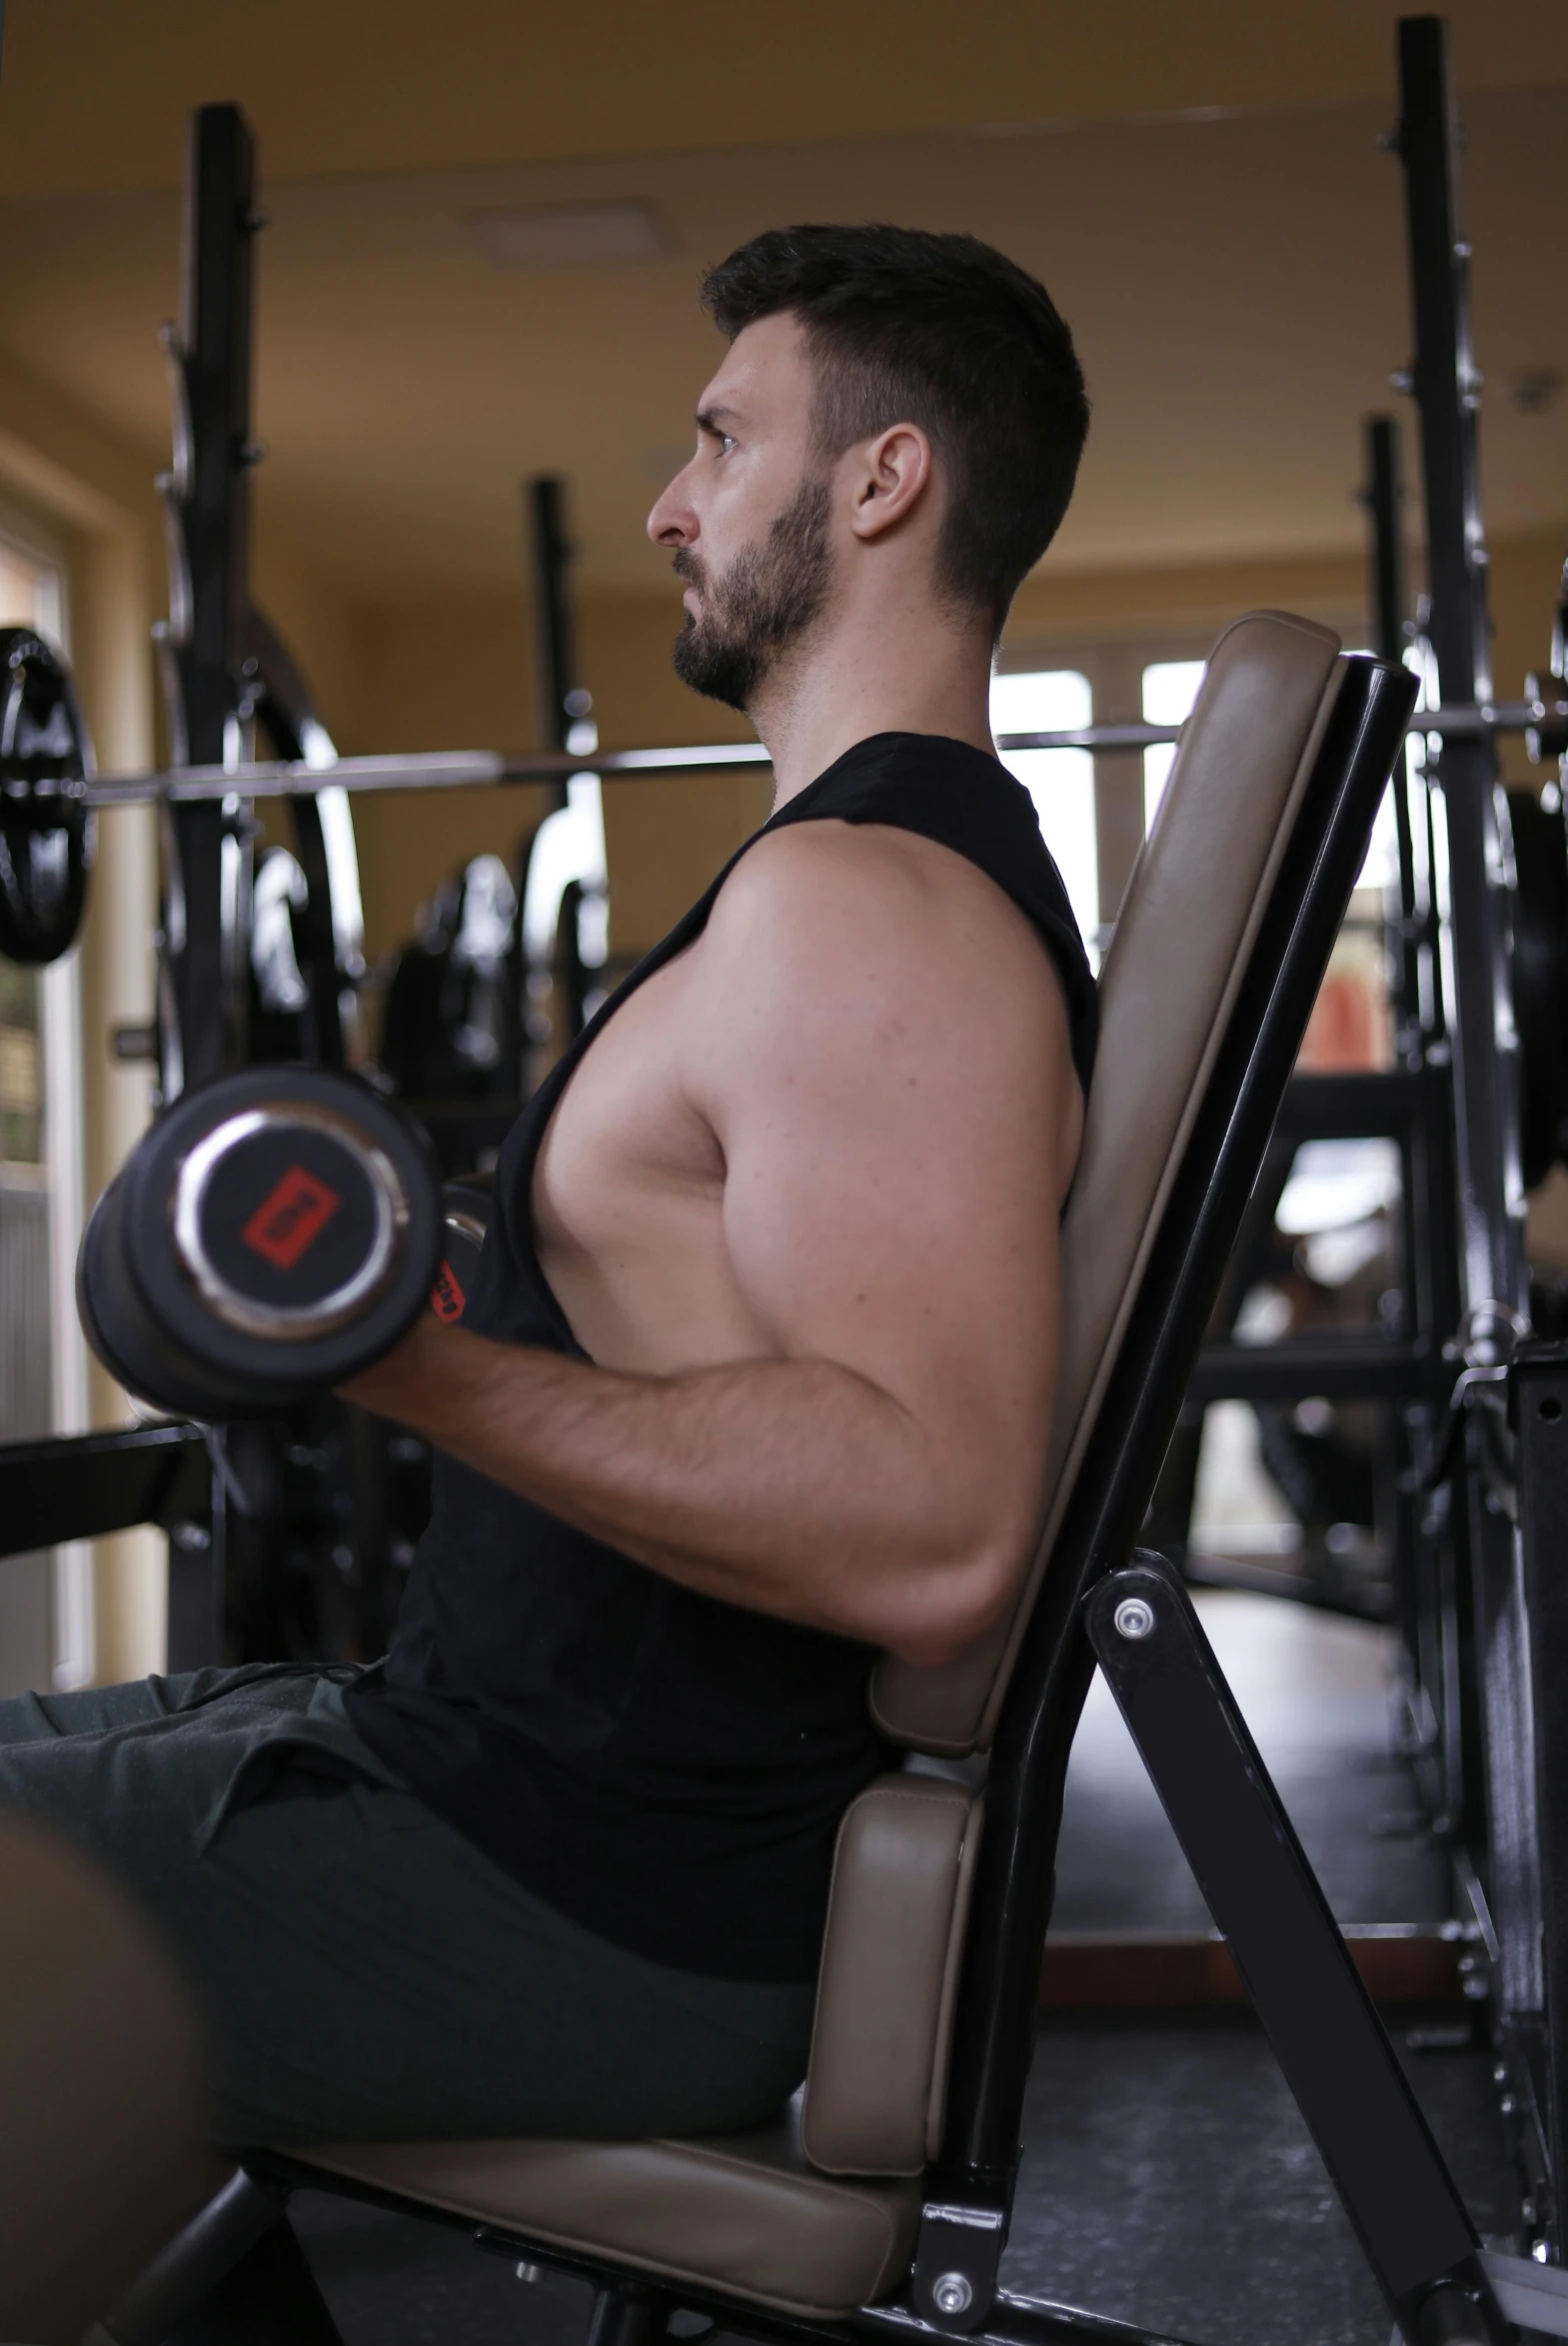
x=1095, y=930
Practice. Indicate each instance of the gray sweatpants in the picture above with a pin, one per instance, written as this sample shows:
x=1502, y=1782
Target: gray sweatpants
x=363, y=1972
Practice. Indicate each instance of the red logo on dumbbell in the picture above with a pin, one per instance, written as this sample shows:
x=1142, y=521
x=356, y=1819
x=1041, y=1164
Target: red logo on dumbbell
x=446, y=1296
x=291, y=1217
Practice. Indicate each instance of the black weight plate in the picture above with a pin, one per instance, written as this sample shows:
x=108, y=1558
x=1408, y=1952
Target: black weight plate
x=46, y=831
x=281, y=1229
x=117, y=1326
x=466, y=1218
x=1540, y=980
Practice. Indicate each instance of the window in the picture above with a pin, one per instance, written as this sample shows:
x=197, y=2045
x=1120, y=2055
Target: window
x=1169, y=689
x=1381, y=868
x=1061, y=782
x=29, y=591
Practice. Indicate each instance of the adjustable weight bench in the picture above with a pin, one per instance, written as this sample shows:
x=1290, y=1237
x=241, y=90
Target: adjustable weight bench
x=879, y=2202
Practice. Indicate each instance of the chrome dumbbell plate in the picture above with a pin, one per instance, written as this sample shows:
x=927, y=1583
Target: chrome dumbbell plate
x=273, y=1232
x=288, y=1219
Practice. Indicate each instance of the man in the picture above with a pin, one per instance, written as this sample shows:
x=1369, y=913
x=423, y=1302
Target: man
x=757, y=1370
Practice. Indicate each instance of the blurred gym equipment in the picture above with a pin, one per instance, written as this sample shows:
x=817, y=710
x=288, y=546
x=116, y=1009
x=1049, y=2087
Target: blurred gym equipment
x=46, y=826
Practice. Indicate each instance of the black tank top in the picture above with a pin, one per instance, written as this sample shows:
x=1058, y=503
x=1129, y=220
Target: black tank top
x=667, y=1769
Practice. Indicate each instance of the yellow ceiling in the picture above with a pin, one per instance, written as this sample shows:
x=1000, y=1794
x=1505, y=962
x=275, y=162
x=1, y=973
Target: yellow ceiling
x=1201, y=188
x=94, y=92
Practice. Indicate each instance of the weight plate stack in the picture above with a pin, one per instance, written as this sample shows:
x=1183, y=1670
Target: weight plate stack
x=46, y=830
x=275, y=1233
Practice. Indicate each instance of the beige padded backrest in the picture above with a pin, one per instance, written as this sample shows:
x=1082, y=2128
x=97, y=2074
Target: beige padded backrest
x=876, y=2084
x=875, y=2089
x=1192, y=911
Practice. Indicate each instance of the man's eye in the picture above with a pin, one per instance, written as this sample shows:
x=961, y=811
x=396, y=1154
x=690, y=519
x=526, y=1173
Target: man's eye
x=725, y=443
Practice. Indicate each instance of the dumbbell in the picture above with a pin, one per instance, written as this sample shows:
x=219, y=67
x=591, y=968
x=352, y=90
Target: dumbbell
x=275, y=1233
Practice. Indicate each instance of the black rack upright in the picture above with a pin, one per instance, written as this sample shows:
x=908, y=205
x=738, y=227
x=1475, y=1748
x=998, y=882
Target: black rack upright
x=207, y=505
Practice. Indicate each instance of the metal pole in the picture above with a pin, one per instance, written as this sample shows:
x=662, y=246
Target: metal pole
x=1385, y=495
x=1447, y=388
x=331, y=937
x=1497, y=1833
x=1424, y=1569
x=1540, y=1414
x=566, y=709
x=207, y=497
x=561, y=701
x=204, y=984
x=1384, y=498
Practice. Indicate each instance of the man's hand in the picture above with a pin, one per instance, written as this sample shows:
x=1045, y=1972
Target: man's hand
x=881, y=1049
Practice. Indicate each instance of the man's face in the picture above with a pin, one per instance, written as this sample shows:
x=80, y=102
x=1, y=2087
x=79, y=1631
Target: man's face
x=748, y=519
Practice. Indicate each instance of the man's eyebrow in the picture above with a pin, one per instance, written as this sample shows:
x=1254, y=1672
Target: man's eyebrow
x=709, y=420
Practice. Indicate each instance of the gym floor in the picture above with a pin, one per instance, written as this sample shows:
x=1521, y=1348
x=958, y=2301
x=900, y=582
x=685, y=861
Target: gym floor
x=1168, y=2179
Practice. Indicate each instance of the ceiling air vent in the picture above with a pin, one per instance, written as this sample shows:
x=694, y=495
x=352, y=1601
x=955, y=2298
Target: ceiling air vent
x=570, y=236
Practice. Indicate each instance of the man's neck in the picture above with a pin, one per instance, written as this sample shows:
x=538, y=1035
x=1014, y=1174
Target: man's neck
x=889, y=674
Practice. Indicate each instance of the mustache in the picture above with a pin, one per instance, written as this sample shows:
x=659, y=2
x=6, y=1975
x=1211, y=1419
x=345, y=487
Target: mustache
x=688, y=568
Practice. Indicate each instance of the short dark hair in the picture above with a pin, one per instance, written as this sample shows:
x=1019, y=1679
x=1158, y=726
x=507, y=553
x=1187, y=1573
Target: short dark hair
x=946, y=332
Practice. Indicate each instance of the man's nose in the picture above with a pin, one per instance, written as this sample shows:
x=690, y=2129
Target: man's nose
x=672, y=522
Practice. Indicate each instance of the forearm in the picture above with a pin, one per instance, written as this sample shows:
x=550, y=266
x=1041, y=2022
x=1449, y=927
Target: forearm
x=796, y=1486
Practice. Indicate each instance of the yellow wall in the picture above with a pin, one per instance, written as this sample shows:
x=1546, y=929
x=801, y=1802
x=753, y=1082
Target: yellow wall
x=1526, y=581
x=1525, y=571
x=458, y=674
x=1200, y=598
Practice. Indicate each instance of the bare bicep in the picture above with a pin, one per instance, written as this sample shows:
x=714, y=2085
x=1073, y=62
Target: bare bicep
x=899, y=1119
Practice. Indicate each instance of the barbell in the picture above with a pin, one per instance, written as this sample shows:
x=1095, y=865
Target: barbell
x=49, y=790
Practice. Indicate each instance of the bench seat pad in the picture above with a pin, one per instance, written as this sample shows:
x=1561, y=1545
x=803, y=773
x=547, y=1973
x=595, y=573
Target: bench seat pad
x=743, y=2213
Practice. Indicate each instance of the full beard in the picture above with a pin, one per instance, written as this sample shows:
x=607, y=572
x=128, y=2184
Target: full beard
x=765, y=603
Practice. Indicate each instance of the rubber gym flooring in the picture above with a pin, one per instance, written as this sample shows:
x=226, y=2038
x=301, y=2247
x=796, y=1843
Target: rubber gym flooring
x=1167, y=2180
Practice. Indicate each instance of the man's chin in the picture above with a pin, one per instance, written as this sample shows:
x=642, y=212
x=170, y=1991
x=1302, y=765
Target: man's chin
x=719, y=672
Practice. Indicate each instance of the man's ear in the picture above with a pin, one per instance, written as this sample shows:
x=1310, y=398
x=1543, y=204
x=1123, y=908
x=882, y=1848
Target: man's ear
x=893, y=473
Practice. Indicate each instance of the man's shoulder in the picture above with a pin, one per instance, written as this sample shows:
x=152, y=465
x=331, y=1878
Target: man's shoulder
x=821, y=912
x=811, y=879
